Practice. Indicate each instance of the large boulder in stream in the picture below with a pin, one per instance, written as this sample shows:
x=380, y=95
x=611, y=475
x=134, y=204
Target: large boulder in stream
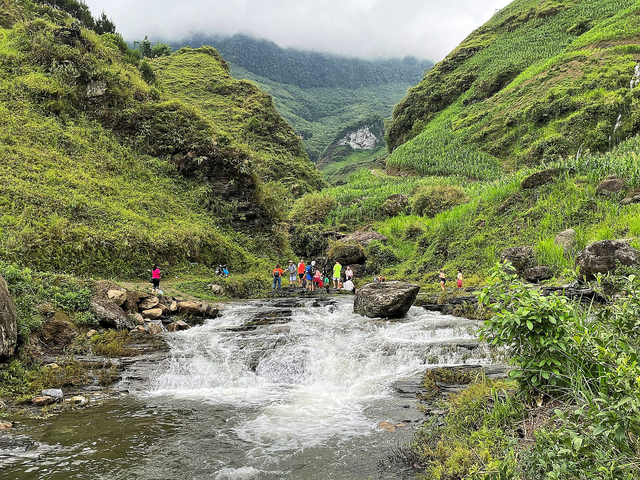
x=385, y=300
x=601, y=257
x=8, y=322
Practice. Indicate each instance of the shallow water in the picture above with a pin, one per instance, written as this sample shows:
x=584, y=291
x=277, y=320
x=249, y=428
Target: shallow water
x=299, y=398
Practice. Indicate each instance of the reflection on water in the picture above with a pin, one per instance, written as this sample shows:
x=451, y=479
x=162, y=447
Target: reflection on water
x=298, y=397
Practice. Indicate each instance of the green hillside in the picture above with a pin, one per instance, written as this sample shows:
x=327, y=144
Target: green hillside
x=317, y=93
x=543, y=79
x=104, y=173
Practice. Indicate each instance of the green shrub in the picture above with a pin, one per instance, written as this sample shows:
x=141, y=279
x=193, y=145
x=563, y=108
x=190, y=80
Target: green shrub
x=430, y=200
x=307, y=241
x=379, y=256
x=312, y=208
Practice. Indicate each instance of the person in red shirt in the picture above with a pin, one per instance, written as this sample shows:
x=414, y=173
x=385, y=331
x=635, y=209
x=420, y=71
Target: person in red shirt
x=277, y=277
x=155, y=278
x=301, y=269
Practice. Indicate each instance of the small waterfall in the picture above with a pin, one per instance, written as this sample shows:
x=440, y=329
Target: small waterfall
x=635, y=80
x=614, y=138
x=313, y=376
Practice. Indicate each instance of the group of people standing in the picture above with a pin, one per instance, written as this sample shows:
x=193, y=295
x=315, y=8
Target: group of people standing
x=311, y=277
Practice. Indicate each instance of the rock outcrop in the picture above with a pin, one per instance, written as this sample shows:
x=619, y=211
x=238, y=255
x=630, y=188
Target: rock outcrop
x=385, y=300
x=601, y=257
x=110, y=315
x=363, y=238
x=541, y=178
x=8, y=322
x=538, y=274
x=347, y=254
x=520, y=257
x=610, y=186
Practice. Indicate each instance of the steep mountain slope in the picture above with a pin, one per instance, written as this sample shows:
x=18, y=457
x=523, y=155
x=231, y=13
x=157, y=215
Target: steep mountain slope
x=104, y=174
x=317, y=93
x=542, y=79
x=237, y=109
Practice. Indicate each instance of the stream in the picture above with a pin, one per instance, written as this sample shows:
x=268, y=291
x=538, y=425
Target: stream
x=273, y=389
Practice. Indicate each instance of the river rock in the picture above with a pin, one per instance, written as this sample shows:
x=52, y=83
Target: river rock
x=139, y=329
x=110, y=315
x=152, y=313
x=8, y=322
x=154, y=328
x=538, y=274
x=212, y=311
x=173, y=308
x=609, y=186
x=117, y=296
x=363, y=238
x=177, y=326
x=56, y=393
x=541, y=178
x=520, y=257
x=600, y=257
x=138, y=319
x=148, y=303
x=388, y=426
x=387, y=300
x=131, y=303
x=566, y=239
x=5, y=425
x=77, y=400
x=190, y=308
x=42, y=401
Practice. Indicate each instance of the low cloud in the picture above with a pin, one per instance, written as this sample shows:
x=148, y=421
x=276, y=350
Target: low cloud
x=426, y=29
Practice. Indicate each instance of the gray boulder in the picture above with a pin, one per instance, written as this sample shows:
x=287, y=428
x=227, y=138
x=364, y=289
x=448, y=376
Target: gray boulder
x=520, y=257
x=566, y=239
x=600, y=257
x=8, y=322
x=538, y=274
x=110, y=315
x=385, y=300
x=610, y=186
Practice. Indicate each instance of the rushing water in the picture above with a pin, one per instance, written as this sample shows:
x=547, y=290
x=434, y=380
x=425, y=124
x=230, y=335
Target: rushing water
x=299, y=397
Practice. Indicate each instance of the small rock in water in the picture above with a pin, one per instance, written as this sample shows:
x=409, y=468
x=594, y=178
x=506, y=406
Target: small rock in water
x=388, y=426
x=42, y=401
x=139, y=329
x=56, y=393
x=5, y=425
x=400, y=425
x=77, y=400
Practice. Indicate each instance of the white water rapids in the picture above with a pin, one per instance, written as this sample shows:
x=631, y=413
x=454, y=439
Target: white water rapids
x=278, y=389
x=308, y=382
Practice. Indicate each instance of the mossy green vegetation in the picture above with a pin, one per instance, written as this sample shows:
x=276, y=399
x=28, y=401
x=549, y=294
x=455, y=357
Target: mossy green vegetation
x=105, y=174
x=539, y=81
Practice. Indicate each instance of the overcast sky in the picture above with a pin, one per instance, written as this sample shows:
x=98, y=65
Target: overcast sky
x=427, y=29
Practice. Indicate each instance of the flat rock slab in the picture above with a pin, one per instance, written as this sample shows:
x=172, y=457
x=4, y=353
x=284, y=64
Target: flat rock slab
x=385, y=300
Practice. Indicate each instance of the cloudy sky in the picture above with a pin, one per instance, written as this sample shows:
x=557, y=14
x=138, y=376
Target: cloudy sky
x=427, y=29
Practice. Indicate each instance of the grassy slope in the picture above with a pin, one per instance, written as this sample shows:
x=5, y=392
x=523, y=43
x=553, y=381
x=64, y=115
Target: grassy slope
x=538, y=81
x=241, y=111
x=90, y=185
